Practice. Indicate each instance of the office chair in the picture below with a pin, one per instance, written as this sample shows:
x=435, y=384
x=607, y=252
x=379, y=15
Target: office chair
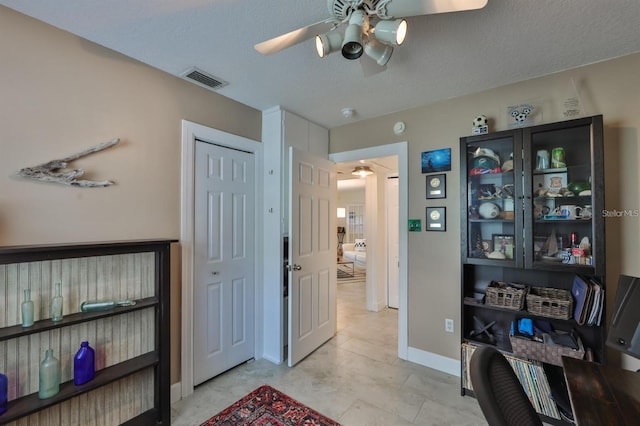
x=498, y=390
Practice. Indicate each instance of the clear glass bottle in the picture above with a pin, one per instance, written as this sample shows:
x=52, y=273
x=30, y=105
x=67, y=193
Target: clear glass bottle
x=56, y=305
x=49, y=376
x=27, y=309
x=84, y=364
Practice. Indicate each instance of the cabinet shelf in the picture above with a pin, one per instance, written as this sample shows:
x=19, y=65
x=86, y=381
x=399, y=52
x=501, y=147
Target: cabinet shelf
x=563, y=267
x=30, y=404
x=564, y=198
x=549, y=171
x=490, y=262
x=575, y=221
x=16, y=331
x=522, y=313
x=491, y=220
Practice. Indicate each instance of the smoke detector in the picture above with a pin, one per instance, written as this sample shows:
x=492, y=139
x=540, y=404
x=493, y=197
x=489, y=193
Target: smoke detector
x=348, y=112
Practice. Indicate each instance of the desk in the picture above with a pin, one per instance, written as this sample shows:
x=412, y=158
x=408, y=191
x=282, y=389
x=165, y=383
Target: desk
x=602, y=395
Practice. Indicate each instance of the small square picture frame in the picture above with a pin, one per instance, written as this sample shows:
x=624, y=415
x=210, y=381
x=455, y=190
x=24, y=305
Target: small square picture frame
x=436, y=186
x=504, y=243
x=436, y=219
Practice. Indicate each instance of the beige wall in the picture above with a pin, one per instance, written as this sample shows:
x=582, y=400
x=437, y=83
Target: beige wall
x=609, y=88
x=61, y=94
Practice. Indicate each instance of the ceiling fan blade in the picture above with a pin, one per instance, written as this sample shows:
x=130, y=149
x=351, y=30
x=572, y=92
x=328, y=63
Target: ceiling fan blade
x=406, y=8
x=294, y=37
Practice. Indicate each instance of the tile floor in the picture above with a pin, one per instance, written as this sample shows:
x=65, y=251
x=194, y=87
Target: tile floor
x=355, y=378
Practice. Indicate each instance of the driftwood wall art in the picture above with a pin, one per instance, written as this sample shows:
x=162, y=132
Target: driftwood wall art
x=48, y=172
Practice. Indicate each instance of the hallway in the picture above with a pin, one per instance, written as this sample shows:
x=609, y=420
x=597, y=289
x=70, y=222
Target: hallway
x=355, y=378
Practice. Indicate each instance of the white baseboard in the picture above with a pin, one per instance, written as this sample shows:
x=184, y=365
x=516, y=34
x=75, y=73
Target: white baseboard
x=176, y=392
x=272, y=359
x=435, y=361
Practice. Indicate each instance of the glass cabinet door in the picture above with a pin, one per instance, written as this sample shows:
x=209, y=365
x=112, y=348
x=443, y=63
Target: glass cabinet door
x=493, y=198
x=560, y=198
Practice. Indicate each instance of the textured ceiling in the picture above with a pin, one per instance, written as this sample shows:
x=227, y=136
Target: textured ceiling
x=444, y=56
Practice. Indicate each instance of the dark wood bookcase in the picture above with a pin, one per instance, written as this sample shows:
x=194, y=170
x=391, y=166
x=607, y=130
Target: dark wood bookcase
x=505, y=242
x=20, y=262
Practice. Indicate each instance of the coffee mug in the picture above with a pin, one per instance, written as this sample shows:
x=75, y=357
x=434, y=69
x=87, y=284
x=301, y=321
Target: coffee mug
x=539, y=211
x=571, y=211
x=567, y=257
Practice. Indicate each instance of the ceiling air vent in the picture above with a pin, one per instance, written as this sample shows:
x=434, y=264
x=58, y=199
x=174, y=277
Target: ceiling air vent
x=203, y=79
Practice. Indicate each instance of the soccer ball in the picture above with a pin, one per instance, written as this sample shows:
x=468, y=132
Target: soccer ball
x=480, y=121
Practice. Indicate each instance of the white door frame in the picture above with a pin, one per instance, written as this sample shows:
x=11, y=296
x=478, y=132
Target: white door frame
x=190, y=132
x=401, y=150
x=388, y=179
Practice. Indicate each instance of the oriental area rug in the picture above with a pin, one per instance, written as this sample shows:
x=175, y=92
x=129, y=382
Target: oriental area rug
x=267, y=406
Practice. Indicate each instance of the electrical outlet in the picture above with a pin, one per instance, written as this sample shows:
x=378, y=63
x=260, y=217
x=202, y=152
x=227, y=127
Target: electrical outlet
x=448, y=325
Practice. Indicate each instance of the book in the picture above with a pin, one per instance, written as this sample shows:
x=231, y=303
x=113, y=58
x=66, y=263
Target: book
x=595, y=306
x=581, y=291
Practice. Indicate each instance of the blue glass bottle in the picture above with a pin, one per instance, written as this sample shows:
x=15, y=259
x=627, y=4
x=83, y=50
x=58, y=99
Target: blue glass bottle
x=4, y=392
x=84, y=364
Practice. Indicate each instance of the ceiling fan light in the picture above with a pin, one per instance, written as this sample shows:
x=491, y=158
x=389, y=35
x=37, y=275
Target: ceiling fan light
x=379, y=52
x=393, y=32
x=352, y=45
x=328, y=43
x=362, y=171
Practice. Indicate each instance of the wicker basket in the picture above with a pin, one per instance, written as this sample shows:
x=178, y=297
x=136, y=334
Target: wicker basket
x=506, y=295
x=538, y=351
x=550, y=302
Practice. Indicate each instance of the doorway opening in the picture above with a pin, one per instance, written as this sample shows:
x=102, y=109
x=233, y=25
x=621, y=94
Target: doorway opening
x=376, y=247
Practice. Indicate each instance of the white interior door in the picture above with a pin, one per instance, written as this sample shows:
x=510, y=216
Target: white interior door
x=223, y=293
x=393, y=243
x=312, y=254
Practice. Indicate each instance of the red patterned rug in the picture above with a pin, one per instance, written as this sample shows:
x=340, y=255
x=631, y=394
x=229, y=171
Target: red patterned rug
x=267, y=406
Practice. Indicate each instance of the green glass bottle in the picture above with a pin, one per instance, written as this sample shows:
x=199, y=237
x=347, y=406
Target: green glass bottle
x=49, y=376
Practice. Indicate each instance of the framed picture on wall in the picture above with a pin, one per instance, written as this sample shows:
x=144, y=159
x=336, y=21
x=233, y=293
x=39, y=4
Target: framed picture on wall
x=438, y=160
x=437, y=186
x=436, y=219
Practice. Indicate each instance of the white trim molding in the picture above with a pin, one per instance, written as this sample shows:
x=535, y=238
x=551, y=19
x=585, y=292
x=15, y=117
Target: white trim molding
x=176, y=392
x=435, y=361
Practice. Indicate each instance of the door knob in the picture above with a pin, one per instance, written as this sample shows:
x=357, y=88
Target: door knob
x=215, y=273
x=294, y=267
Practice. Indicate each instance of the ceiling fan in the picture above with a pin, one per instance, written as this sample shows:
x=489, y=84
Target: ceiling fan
x=373, y=26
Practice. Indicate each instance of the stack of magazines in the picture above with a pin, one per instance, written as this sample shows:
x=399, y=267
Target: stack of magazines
x=531, y=375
